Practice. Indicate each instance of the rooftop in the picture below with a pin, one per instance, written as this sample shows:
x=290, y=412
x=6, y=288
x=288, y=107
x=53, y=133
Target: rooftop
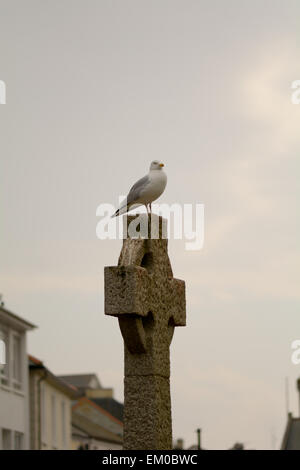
x=82, y=380
x=11, y=318
x=114, y=407
x=37, y=365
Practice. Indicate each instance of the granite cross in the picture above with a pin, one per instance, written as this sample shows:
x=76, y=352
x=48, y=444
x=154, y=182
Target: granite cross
x=149, y=303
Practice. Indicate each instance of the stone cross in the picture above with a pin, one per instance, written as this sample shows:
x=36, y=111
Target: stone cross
x=149, y=303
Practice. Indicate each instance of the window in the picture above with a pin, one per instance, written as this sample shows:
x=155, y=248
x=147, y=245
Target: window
x=4, y=370
x=6, y=439
x=2, y=351
x=17, y=377
x=11, y=372
x=63, y=423
x=53, y=419
x=43, y=412
x=18, y=440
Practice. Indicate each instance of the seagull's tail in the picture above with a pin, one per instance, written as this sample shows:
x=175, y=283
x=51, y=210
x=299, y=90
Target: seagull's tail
x=116, y=213
x=120, y=211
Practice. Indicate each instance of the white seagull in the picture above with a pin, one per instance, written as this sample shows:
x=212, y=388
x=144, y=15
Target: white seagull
x=146, y=190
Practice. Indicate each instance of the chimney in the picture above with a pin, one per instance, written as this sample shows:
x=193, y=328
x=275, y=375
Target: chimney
x=179, y=444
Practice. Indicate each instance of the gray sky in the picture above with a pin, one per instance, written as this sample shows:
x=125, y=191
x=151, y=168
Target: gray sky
x=95, y=91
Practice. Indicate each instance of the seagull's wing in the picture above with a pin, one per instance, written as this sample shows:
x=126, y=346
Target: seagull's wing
x=134, y=194
x=137, y=189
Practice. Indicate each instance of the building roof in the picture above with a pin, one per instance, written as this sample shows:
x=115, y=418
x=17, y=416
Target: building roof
x=291, y=438
x=14, y=320
x=114, y=407
x=81, y=380
x=96, y=421
x=85, y=402
x=37, y=365
x=78, y=432
x=87, y=427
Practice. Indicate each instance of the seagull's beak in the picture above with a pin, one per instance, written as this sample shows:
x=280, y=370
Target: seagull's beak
x=161, y=165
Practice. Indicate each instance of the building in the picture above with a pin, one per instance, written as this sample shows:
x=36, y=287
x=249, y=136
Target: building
x=88, y=385
x=95, y=428
x=179, y=444
x=50, y=408
x=97, y=417
x=238, y=446
x=14, y=387
x=291, y=437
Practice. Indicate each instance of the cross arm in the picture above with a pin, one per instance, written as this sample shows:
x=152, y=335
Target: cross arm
x=126, y=289
x=178, y=308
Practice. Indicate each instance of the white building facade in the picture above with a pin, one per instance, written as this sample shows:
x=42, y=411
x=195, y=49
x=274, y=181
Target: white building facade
x=50, y=409
x=14, y=382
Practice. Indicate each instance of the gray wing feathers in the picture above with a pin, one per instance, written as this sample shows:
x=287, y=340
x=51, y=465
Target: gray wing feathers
x=134, y=194
x=137, y=189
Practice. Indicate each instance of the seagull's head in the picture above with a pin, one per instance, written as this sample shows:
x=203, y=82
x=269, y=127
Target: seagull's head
x=156, y=165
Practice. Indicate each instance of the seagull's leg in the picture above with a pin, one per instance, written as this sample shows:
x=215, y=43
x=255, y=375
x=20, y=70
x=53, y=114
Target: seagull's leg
x=147, y=209
x=150, y=205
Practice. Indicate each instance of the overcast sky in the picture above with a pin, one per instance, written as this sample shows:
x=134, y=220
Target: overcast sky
x=96, y=89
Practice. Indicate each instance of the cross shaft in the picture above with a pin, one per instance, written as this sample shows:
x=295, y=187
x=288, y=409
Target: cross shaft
x=149, y=303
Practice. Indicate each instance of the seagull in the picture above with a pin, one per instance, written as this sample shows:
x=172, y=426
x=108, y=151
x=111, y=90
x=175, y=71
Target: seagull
x=146, y=190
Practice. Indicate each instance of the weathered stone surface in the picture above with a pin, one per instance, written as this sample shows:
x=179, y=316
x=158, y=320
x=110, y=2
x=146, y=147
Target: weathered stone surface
x=147, y=413
x=149, y=303
x=126, y=290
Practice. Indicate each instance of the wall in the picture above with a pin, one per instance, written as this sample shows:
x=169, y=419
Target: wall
x=54, y=428
x=14, y=404
x=55, y=434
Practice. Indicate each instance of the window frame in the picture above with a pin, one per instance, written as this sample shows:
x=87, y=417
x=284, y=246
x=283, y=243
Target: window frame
x=19, y=435
x=53, y=420
x=16, y=382
x=5, y=369
x=6, y=440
